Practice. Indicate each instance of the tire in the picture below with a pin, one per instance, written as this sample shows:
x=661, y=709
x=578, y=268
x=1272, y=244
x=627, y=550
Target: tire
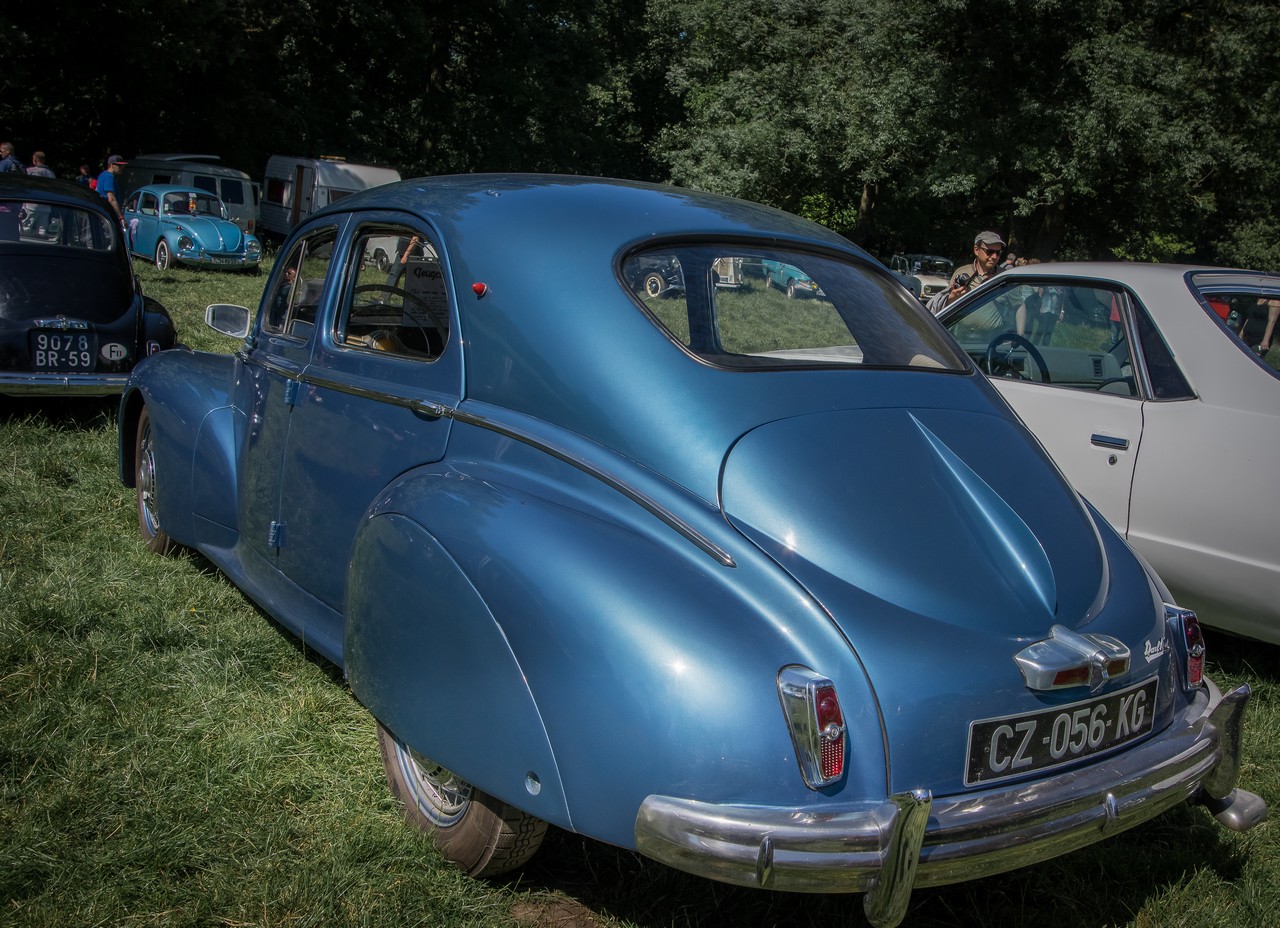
x=482, y=835
x=381, y=261
x=654, y=284
x=144, y=473
x=791, y=289
x=164, y=258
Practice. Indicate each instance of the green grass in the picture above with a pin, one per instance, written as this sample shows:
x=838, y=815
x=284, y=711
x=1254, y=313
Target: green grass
x=169, y=757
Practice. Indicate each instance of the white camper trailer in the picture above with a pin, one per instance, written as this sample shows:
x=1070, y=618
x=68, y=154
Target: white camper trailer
x=294, y=188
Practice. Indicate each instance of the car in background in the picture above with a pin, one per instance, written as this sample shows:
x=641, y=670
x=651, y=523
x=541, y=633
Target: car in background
x=1147, y=385
x=171, y=225
x=73, y=319
x=925, y=275
x=859, y=633
x=790, y=279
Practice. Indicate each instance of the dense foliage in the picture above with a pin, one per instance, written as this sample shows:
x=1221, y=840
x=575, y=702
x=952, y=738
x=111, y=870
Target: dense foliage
x=1143, y=130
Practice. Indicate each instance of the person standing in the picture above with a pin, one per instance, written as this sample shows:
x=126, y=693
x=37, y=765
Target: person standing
x=8, y=163
x=85, y=179
x=38, y=167
x=107, y=184
x=988, y=247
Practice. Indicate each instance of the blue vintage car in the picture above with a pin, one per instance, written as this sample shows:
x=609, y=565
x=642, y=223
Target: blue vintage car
x=186, y=225
x=779, y=593
x=790, y=279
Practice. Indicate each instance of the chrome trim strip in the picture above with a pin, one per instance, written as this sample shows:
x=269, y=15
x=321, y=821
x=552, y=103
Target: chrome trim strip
x=845, y=847
x=38, y=384
x=1106, y=441
x=438, y=410
x=632, y=493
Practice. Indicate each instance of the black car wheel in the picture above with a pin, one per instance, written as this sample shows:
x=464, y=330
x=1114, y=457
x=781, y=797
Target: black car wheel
x=482, y=835
x=164, y=258
x=791, y=289
x=144, y=462
x=654, y=284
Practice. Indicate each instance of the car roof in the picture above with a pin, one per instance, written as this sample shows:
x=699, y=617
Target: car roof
x=595, y=205
x=162, y=189
x=50, y=190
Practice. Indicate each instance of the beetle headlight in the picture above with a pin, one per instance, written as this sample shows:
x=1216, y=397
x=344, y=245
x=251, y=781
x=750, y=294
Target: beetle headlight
x=254, y=247
x=185, y=243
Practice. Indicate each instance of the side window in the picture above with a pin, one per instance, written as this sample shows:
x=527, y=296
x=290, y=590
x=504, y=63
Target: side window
x=150, y=205
x=403, y=310
x=294, y=301
x=232, y=191
x=131, y=204
x=1051, y=332
x=205, y=182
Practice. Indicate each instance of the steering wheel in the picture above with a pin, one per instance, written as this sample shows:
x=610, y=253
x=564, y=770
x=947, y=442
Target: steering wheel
x=998, y=366
x=419, y=307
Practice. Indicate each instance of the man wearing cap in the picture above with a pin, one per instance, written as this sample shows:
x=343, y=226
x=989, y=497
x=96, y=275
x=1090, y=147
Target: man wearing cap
x=107, y=183
x=988, y=246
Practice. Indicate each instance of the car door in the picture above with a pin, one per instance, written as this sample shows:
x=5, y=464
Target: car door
x=143, y=209
x=386, y=360
x=274, y=363
x=1069, y=376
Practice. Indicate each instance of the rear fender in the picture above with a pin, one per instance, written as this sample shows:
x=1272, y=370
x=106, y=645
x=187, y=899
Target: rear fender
x=504, y=624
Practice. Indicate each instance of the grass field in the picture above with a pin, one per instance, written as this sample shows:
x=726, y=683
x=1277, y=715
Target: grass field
x=169, y=757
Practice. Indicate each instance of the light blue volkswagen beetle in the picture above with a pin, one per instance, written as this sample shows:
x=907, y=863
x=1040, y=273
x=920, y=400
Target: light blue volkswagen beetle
x=182, y=225
x=775, y=592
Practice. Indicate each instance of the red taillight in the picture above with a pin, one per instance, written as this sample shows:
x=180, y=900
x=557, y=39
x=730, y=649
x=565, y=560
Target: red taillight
x=816, y=723
x=1195, y=648
x=830, y=732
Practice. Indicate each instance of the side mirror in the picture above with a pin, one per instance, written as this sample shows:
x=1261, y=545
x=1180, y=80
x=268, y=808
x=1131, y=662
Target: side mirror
x=227, y=319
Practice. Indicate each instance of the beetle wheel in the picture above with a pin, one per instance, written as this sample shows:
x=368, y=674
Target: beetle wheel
x=164, y=258
x=144, y=462
x=481, y=834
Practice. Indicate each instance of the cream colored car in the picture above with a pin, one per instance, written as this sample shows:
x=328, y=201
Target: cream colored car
x=1155, y=389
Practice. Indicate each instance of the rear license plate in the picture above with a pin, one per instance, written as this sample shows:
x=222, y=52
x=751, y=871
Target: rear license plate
x=63, y=351
x=1016, y=745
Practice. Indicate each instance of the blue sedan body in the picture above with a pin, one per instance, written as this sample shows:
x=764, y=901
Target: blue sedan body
x=185, y=225
x=799, y=605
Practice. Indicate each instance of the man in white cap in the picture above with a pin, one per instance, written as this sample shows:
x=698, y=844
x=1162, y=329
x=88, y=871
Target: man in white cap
x=988, y=246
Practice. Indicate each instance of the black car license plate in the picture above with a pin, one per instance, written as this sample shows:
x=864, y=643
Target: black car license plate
x=1015, y=745
x=63, y=351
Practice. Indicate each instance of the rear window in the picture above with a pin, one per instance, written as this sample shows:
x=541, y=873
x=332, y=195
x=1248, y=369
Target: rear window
x=55, y=226
x=758, y=309
x=61, y=260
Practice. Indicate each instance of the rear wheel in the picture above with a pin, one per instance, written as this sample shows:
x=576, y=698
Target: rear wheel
x=144, y=463
x=482, y=835
x=164, y=258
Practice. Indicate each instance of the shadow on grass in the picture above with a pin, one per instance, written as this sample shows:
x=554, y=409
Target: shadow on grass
x=64, y=414
x=1103, y=885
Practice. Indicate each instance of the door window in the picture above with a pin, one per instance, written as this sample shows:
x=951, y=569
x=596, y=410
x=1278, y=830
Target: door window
x=404, y=310
x=294, y=301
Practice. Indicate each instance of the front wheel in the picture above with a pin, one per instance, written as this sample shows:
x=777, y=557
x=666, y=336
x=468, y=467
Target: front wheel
x=481, y=834
x=164, y=258
x=144, y=463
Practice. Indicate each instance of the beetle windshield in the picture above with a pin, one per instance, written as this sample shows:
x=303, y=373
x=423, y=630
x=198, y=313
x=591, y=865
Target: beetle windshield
x=755, y=309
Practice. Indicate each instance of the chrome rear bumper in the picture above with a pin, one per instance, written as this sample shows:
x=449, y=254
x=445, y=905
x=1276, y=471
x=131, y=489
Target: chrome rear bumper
x=886, y=848
x=33, y=384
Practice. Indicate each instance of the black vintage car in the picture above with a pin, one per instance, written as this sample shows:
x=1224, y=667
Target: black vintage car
x=73, y=320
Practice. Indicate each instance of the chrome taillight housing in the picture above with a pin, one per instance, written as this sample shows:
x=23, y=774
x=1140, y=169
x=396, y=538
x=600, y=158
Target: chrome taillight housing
x=816, y=722
x=1188, y=639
